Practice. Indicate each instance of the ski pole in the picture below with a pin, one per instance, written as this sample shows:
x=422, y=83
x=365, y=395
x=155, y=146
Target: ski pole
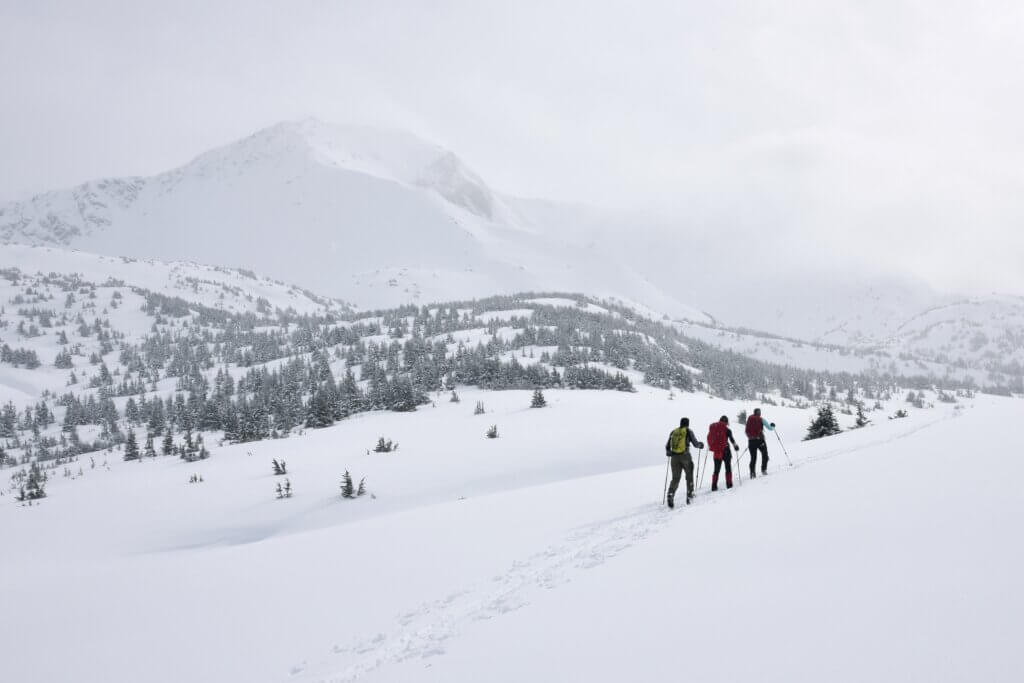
x=696, y=472
x=783, y=448
x=664, y=489
x=703, y=466
x=739, y=467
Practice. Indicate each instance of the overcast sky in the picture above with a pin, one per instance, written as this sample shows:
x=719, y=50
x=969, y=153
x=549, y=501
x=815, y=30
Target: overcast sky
x=891, y=130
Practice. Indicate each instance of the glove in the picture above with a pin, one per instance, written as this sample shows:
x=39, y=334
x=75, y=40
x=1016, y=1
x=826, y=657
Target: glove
x=773, y=425
x=701, y=445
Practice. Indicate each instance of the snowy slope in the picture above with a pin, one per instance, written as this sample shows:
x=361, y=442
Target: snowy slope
x=375, y=216
x=230, y=289
x=523, y=558
x=978, y=332
x=113, y=288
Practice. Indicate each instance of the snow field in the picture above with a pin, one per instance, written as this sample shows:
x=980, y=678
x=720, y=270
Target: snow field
x=471, y=546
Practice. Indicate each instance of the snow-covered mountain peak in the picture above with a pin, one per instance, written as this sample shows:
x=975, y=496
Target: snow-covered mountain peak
x=384, y=153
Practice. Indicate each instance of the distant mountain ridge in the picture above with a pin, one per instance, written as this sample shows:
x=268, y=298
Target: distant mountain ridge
x=374, y=216
x=381, y=218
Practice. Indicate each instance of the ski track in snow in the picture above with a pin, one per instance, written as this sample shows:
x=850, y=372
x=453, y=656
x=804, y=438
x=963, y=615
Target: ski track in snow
x=423, y=632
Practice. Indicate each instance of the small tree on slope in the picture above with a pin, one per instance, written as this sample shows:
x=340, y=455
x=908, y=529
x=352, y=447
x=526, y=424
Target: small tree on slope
x=538, y=400
x=131, y=446
x=824, y=424
x=862, y=419
x=34, y=488
x=348, y=489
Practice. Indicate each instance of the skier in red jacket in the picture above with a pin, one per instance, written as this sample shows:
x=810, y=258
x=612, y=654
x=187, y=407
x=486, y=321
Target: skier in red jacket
x=756, y=426
x=719, y=438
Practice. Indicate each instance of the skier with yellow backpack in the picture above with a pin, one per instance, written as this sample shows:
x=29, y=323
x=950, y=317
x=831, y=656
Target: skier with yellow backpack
x=678, y=449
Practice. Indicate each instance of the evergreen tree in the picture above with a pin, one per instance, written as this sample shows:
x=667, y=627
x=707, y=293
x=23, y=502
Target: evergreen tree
x=824, y=424
x=862, y=419
x=479, y=410
x=538, y=400
x=361, y=491
x=287, y=489
x=168, y=444
x=35, y=486
x=741, y=418
x=280, y=467
x=131, y=446
x=492, y=433
x=319, y=412
x=348, y=489
x=150, y=450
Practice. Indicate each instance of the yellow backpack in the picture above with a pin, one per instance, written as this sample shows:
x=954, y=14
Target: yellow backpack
x=677, y=440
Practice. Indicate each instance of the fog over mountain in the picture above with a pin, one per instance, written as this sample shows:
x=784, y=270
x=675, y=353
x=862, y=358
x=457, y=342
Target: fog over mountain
x=381, y=217
x=847, y=134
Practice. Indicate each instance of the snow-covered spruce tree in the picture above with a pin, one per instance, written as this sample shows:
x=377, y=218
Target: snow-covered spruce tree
x=455, y=397
x=63, y=360
x=168, y=444
x=824, y=424
x=348, y=489
x=479, y=410
x=150, y=451
x=35, y=485
x=287, y=489
x=384, y=446
x=361, y=491
x=741, y=418
x=862, y=419
x=538, y=400
x=279, y=491
x=492, y=433
x=131, y=446
x=279, y=467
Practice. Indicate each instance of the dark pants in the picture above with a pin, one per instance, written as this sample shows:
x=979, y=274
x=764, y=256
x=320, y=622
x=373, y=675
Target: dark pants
x=681, y=462
x=727, y=459
x=756, y=445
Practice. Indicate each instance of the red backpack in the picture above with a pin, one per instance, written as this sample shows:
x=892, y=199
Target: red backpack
x=718, y=437
x=754, y=427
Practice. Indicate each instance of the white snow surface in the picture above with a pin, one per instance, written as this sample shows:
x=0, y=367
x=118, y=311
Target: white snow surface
x=882, y=554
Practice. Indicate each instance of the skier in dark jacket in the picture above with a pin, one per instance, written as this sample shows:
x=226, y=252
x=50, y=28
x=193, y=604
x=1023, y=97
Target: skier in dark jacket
x=678, y=448
x=756, y=427
x=723, y=456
